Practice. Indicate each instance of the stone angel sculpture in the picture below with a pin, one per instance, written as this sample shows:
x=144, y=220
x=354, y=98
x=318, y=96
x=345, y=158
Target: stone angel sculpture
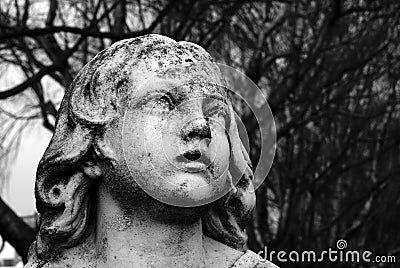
x=146, y=167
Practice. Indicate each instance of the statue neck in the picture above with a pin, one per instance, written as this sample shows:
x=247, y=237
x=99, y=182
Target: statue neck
x=142, y=239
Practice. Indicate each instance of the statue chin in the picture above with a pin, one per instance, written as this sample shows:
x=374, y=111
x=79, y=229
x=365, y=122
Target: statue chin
x=187, y=190
x=157, y=196
x=181, y=196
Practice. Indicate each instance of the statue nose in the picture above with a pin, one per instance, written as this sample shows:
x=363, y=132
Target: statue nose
x=196, y=129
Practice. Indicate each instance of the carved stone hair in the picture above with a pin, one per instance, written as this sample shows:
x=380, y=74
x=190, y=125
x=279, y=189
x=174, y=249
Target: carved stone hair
x=65, y=197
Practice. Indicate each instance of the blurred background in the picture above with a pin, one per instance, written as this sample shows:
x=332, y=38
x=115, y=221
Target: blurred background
x=330, y=70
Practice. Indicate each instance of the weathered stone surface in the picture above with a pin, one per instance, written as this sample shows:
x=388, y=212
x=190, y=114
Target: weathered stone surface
x=117, y=151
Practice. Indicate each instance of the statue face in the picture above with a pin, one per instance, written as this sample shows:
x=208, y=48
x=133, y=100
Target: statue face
x=172, y=144
x=175, y=141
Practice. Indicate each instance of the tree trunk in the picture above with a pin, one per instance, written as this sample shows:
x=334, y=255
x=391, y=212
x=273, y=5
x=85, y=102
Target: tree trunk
x=15, y=231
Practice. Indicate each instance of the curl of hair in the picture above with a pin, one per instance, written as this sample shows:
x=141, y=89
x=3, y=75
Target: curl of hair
x=65, y=197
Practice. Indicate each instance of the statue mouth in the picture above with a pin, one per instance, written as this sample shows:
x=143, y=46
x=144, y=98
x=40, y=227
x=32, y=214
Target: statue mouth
x=192, y=155
x=194, y=160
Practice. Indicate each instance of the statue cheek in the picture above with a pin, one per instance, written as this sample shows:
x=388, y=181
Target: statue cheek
x=220, y=153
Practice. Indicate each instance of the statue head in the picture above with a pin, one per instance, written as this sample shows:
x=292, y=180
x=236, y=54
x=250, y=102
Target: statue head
x=132, y=109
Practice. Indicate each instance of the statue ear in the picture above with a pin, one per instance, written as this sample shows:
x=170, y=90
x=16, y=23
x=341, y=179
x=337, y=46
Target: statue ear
x=102, y=150
x=91, y=169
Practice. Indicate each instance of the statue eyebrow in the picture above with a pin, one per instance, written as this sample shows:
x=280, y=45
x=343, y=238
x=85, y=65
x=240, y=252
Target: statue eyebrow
x=156, y=94
x=173, y=96
x=144, y=98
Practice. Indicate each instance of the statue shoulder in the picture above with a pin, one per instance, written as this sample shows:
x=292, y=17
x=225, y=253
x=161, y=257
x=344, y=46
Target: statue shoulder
x=221, y=255
x=251, y=260
x=80, y=256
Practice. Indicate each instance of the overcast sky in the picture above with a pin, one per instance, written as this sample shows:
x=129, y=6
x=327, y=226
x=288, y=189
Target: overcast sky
x=19, y=193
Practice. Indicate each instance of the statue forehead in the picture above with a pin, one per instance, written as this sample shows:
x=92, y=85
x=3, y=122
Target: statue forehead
x=153, y=53
x=129, y=65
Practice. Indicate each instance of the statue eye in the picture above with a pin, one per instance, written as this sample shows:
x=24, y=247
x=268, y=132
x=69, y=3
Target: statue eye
x=166, y=100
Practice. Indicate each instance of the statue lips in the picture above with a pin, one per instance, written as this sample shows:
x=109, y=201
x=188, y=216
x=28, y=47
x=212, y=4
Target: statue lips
x=195, y=160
